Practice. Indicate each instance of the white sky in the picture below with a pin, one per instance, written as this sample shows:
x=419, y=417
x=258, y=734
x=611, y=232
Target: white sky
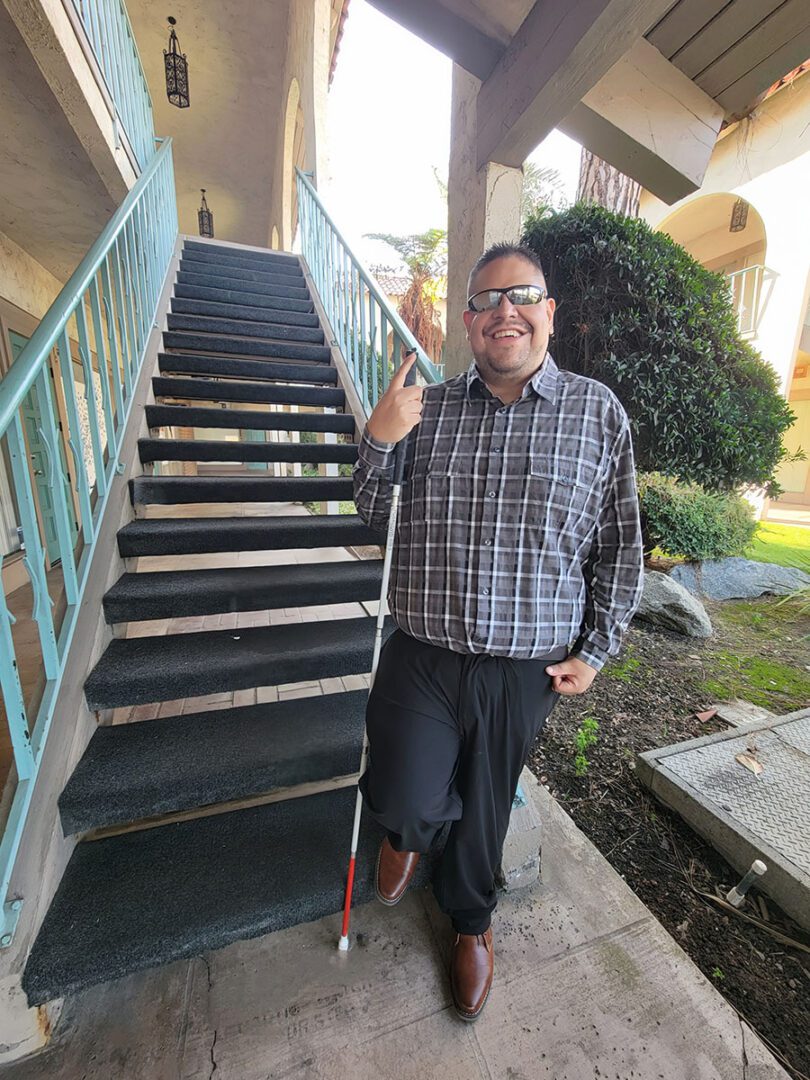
x=389, y=127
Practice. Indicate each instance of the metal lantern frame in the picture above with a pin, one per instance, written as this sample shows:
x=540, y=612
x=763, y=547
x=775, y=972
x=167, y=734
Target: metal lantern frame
x=176, y=70
x=205, y=218
x=739, y=216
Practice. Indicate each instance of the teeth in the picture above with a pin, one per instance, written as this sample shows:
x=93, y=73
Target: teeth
x=506, y=333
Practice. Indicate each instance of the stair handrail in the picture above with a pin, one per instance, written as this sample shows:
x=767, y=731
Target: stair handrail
x=357, y=308
x=96, y=334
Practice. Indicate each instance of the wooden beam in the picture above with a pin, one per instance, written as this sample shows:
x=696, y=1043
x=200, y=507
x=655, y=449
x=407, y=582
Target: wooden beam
x=646, y=118
x=464, y=43
x=558, y=54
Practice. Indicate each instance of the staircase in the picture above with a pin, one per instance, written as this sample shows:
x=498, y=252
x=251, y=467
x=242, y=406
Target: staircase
x=203, y=828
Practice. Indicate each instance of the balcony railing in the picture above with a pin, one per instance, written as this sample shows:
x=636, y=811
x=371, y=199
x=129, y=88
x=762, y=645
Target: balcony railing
x=745, y=287
x=109, y=31
x=95, y=334
x=369, y=331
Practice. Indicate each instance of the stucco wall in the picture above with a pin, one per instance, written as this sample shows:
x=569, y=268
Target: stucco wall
x=23, y=281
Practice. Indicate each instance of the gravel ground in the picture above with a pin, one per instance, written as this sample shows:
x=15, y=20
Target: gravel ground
x=647, y=698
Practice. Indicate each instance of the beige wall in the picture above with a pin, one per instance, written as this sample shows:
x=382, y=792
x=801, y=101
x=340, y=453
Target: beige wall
x=24, y=283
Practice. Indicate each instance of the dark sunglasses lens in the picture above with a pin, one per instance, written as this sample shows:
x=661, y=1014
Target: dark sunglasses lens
x=525, y=294
x=484, y=301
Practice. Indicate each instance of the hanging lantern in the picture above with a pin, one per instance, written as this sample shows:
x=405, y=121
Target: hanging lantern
x=205, y=218
x=176, y=70
x=739, y=216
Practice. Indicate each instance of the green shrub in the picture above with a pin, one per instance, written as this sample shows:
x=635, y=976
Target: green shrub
x=685, y=519
x=638, y=313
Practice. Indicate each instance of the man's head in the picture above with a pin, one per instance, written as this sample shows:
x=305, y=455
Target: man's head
x=508, y=341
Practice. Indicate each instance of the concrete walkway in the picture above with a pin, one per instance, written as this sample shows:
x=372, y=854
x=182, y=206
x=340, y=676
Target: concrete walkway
x=587, y=985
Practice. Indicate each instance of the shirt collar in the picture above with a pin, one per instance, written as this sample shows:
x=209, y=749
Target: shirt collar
x=543, y=382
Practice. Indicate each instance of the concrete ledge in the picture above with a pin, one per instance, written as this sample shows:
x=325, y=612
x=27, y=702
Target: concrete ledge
x=786, y=881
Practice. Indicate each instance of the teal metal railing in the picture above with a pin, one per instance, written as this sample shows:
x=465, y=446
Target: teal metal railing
x=369, y=331
x=109, y=31
x=97, y=331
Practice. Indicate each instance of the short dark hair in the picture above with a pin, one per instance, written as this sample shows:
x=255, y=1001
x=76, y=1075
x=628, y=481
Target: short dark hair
x=503, y=251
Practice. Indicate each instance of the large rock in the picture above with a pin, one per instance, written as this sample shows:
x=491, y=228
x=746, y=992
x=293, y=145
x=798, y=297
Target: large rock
x=667, y=604
x=737, y=578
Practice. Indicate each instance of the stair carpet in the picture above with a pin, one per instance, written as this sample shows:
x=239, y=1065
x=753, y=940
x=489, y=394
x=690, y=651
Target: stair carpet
x=246, y=848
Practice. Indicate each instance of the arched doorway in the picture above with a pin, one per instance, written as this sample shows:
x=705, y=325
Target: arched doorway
x=294, y=155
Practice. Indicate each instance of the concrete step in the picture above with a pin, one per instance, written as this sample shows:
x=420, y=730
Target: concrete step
x=132, y=772
x=170, y=490
x=198, y=416
x=199, y=536
x=203, y=324
x=136, y=671
x=270, y=276
x=232, y=390
x=230, y=367
x=247, y=347
x=178, y=593
x=288, y=264
x=151, y=450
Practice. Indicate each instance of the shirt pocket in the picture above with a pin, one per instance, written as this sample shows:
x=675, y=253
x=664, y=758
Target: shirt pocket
x=564, y=493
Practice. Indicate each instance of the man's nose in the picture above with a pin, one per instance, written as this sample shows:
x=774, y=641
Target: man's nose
x=505, y=306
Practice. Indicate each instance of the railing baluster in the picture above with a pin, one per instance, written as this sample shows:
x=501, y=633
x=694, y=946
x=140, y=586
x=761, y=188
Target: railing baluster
x=372, y=311
x=364, y=350
x=103, y=374
x=90, y=397
x=112, y=340
x=13, y=698
x=57, y=481
x=75, y=441
x=34, y=559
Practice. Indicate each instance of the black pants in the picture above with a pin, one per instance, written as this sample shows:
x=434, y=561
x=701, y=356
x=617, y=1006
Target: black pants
x=449, y=733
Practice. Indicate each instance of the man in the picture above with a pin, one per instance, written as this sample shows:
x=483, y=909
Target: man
x=516, y=569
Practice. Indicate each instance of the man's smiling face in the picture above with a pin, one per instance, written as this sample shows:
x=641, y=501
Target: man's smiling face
x=509, y=342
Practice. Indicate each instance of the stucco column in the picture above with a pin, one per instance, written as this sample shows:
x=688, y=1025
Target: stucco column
x=483, y=209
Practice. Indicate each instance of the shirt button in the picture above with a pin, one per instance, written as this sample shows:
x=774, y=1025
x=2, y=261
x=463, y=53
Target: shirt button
x=485, y=592
x=492, y=494
x=487, y=543
x=497, y=450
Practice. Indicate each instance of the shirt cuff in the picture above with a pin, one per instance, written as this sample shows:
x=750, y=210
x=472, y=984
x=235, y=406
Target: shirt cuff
x=590, y=654
x=375, y=454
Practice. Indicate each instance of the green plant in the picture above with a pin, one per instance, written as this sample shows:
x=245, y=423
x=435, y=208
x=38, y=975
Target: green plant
x=425, y=258
x=638, y=313
x=685, y=519
x=718, y=974
x=585, y=736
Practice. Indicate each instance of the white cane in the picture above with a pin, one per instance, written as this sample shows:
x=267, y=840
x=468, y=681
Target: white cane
x=399, y=470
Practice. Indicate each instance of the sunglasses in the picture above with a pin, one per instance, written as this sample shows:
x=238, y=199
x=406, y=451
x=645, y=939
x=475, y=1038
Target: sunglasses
x=519, y=295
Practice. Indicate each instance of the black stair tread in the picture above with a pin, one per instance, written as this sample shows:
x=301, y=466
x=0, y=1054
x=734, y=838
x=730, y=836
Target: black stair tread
x=265, y=263
x=242, y=286
x=199, y=536
x=147, y=898
x=244, y=312
x=254, y=419
x=248, y=259
x=178, y=593
x=240, y=328
x=130, y=772
x=215, y=343
x=219, y=450
x=221, y=272
x=233, y=368
x=136, y=671
x=227, y=297
x=231, y=390
x=262, y=254
x=169, y=490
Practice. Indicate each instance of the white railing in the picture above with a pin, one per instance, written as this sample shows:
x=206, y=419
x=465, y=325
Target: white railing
x=745, y=287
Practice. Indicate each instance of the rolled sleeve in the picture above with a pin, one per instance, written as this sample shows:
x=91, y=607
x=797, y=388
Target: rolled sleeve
x=372, y=475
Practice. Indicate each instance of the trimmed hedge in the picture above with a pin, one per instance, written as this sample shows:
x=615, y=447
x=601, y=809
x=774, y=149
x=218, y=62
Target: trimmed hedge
x=685, y=519
x=638, y=313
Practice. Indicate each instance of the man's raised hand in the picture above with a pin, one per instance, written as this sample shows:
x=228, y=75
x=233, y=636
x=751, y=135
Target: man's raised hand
x=399, y=409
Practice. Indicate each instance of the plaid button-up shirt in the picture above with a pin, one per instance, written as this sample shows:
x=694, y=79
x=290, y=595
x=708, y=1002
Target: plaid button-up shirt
x=518, y=528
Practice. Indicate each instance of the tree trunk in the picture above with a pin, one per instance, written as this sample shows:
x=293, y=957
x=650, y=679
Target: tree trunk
x=601, y=183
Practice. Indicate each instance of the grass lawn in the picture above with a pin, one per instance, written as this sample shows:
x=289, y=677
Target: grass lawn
x=786, y=545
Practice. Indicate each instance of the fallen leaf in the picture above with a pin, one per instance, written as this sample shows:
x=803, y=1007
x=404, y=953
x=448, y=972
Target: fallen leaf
x=750, y=763
x=707, y=715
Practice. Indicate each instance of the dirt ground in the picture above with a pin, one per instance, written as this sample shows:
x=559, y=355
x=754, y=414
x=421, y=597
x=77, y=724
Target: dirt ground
x=648, y=698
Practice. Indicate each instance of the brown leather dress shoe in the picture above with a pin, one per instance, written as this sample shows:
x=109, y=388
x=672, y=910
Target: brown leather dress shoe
x=471, y=969
x=394, y=871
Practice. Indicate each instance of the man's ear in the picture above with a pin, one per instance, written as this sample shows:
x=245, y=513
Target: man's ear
x=468, y=317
